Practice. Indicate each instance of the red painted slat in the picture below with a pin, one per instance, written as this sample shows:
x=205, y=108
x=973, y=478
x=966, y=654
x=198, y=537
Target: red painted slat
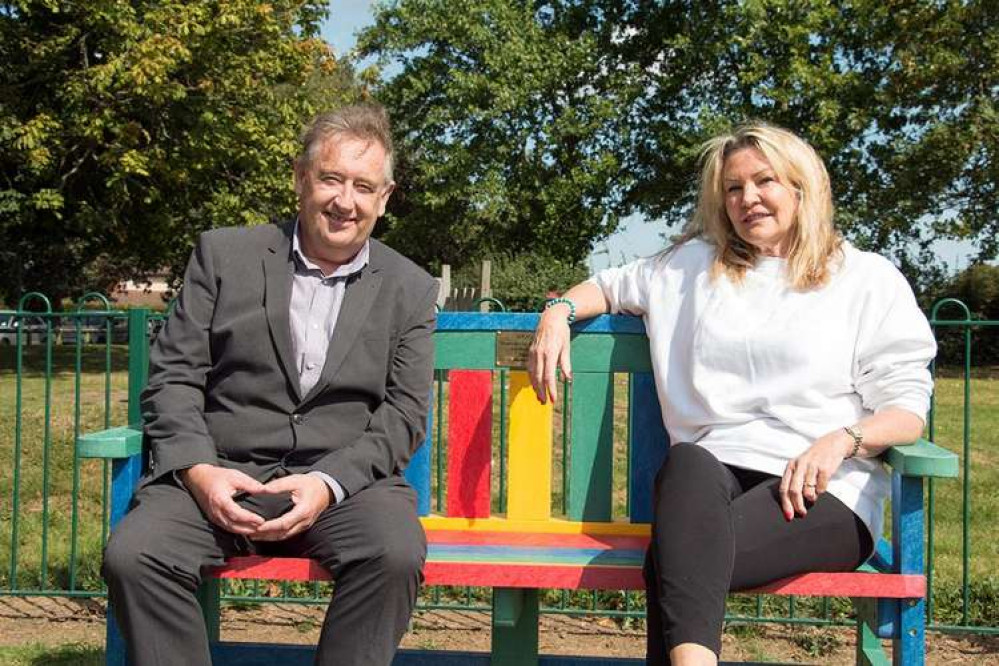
x=470, y=414
x=858, y=584
x=271, y=568
x=531, y=576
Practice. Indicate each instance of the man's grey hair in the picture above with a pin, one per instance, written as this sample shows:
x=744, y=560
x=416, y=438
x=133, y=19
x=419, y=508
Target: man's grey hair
x=367, y=122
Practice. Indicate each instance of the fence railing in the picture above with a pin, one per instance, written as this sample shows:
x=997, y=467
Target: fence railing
x=63, y=373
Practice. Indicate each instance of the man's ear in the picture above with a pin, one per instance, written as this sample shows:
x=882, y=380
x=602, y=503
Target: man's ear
x=298, y=175
x=389, y=189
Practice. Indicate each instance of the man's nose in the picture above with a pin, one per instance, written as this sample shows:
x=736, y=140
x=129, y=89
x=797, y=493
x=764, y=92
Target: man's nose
x=344, y=197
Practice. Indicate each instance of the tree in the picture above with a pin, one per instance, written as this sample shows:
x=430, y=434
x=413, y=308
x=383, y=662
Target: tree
x=507, y=121
x=899, y=98
x=128, y=128
x=977, y=286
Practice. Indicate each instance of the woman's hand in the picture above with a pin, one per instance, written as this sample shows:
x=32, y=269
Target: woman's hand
x=550, y=350
x=807, y=476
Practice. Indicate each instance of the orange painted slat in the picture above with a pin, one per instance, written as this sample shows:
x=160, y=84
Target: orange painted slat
x=469, y=443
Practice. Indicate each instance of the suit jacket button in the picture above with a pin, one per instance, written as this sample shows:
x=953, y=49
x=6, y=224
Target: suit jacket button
x=297, y=419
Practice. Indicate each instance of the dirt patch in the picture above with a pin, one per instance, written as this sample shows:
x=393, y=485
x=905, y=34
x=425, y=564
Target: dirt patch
x=59, y=621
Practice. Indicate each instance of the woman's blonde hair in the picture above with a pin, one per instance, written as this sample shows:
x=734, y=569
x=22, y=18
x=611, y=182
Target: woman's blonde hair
x=814, y=242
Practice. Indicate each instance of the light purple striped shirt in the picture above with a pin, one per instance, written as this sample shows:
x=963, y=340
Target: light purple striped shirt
x=315, y=304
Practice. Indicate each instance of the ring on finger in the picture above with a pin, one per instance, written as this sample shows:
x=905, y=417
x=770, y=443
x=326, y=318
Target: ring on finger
x=810, y=485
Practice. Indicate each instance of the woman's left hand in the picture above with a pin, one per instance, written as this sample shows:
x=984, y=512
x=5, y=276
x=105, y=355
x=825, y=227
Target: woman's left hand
x=807, y=476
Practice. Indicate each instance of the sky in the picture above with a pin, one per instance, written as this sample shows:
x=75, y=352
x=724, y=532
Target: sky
x=636, y=236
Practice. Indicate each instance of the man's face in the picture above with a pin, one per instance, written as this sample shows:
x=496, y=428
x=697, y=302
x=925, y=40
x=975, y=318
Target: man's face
x=341, y=194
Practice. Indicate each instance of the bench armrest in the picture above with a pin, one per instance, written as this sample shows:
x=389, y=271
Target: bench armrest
x=114, y=443
x=922, y=458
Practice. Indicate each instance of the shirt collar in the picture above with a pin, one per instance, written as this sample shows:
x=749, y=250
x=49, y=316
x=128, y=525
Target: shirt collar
x=355, y=265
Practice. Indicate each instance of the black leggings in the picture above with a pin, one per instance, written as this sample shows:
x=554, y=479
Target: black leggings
x=718, y=529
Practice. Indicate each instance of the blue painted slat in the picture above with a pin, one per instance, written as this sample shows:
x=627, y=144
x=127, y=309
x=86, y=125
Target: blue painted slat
x=125, y=473
x=527, y=321
x=245, y=654
x=648, y=447
x=908, y=539
x=539, y=556
x=265, y=654
x=418, y=471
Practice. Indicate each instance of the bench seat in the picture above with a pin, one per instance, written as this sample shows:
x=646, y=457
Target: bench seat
x=613, y=563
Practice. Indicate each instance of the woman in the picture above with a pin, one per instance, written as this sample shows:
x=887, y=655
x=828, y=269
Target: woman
x=785, y=361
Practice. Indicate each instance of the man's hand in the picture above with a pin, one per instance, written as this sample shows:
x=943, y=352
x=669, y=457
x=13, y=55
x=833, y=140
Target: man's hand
x=213, y=489
x=807, y=476
x=309, y=494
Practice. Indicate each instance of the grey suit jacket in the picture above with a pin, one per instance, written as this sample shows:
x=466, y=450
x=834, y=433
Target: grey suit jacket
x=223, y=386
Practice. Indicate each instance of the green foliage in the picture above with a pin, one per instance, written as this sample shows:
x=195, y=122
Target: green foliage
x=983, y=603
x=508, y=116
x=539, y=124
x=128, y=128
x=977, y=287
x=523, y=282
x=815, y=642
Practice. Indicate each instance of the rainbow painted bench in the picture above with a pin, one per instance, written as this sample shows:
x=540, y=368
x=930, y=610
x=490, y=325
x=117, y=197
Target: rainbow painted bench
x=499, y=519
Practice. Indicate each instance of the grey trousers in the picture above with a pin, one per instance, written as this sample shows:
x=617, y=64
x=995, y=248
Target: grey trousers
x=372, y=543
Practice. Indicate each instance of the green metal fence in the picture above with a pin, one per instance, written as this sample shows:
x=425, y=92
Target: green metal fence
x=63, y=373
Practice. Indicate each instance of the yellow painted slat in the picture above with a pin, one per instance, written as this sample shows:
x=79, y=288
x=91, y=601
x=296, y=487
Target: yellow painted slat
x=529, y=487
x=554, y=526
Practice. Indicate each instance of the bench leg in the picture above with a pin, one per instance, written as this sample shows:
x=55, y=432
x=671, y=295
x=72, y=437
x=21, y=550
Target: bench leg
x=909, y=648
x=115, y=654
x=908, y=539
x=869, y=650
x=515, y=627
x=209, y=598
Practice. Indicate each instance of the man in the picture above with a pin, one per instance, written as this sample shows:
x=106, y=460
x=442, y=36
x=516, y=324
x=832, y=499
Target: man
x=287, y=392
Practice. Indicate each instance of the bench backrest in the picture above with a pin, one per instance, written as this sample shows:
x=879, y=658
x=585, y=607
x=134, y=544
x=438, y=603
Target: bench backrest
x=480, y=361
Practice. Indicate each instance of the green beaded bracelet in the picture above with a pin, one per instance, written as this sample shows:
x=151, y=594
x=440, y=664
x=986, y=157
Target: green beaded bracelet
x=572, y=307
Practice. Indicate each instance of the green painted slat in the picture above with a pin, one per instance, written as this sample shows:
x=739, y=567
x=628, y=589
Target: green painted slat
x=515, y=627
x=922, y=458
x=122, y=442
x=468, y=351
x=600, y=352
x=592, y=458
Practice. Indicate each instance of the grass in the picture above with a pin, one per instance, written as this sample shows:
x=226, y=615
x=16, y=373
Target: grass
x=46, y=655
x=49, y=557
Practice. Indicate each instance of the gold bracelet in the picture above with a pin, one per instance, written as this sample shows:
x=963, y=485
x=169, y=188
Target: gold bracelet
x=858, y=438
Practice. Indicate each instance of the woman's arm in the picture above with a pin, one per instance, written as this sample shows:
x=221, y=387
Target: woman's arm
x=550, y=347
x=807, y=476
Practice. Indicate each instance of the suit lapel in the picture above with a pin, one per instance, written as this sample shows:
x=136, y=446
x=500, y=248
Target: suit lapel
x=277, y=300
x=357, y=301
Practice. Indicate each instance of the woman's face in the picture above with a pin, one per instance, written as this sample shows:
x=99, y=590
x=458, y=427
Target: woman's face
x=760, y=207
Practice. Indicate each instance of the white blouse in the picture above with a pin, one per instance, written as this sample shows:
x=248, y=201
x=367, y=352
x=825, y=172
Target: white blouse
x=756, y=372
